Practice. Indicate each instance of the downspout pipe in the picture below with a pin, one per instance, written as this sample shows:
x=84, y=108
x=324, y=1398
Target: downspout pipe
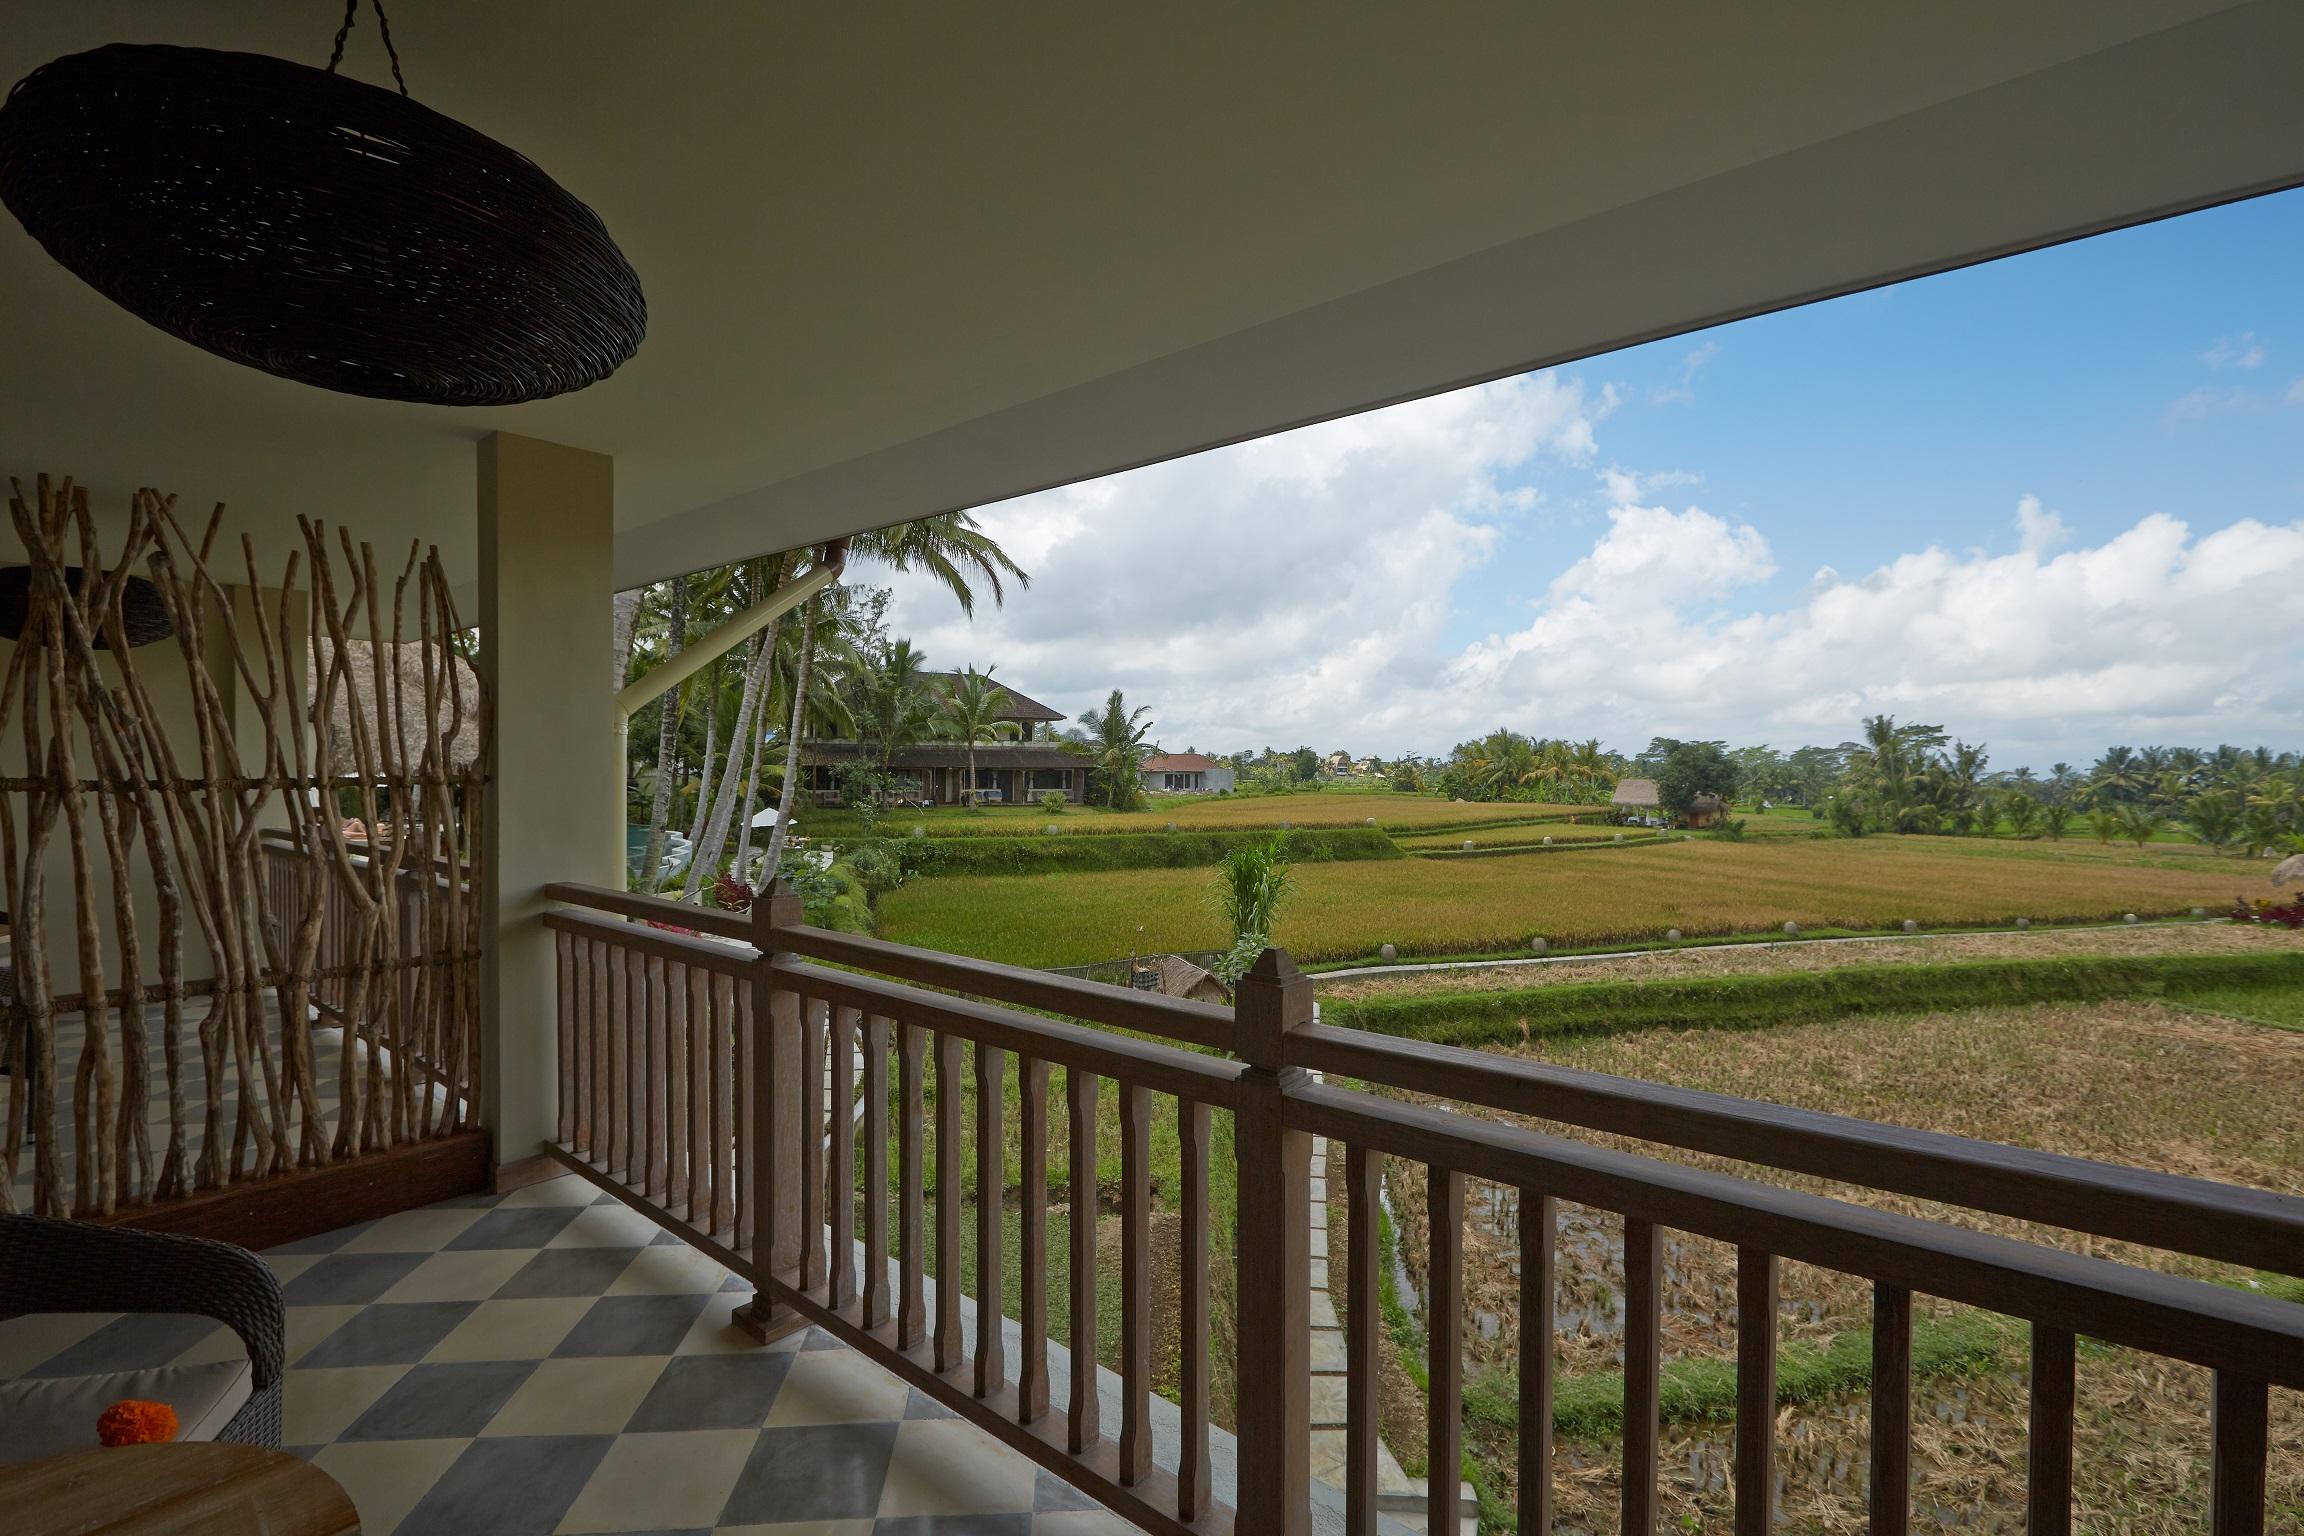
x=831, y=560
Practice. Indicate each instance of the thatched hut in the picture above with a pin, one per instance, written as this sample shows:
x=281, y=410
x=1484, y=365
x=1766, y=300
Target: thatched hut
x=357, y=690
x=1635, y=797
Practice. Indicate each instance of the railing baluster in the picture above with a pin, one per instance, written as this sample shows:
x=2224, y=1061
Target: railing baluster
x=991, y=1175
x=670, y=1079
x=1081, y=1418
x=1539, y=1236
x=658, y=1080
x=744, y=1103
x=613, y=1017
x=1192, y=1470
x=840, y=1188
x=875, y=1171
x=1363, y=1335
x=911, y=1308
x=720, y=999
x=698, y=1012
x=2238, y=1424
x=1444, y=1363
x=587, y=1034
x=1032, y=1365
x=1756, y=1277
x=2048, y=1456
x=1135, y=1282
x=1643, y=1369
x=949, y=1094
x=812, y=1019
x=636, y=1072
x=1891, y=1410
x=564, y=958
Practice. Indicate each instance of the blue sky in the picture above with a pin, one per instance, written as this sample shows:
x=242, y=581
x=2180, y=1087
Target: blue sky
x=1633, y=545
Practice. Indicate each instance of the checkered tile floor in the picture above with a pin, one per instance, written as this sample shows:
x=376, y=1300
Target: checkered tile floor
x=551, y=1362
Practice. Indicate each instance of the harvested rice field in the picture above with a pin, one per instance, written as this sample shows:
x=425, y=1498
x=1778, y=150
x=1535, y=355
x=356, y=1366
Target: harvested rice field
x=2178, y=1090
x=1429, y=907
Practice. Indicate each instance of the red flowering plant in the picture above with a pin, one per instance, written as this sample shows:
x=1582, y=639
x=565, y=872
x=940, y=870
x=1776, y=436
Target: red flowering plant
x=2279, y=914
x=732, y=894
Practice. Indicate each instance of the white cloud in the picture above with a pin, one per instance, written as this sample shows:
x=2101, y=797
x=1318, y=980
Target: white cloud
x=2038, y=529
x=2154, y=633
x=1297, y=586
x=1684, y=387
x=2202, y=403
x=1310, y=588
x=2241, y=351
x=2295, y=395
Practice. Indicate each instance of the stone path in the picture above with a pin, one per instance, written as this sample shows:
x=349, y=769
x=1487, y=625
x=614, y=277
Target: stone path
x=1400, y=1499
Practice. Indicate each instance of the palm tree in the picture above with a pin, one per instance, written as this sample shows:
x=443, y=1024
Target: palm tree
x=2138, y=824
x=949, y=547
x=1116, y=744
x=2214, y=817
x=670, y=707
x=2118, y=777
x=891, y=702
x=972, y=710
x=2054, y=818
x=2022, y=812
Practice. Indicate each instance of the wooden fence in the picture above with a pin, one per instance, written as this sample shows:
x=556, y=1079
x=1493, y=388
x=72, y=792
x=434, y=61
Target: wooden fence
x=693, y=1074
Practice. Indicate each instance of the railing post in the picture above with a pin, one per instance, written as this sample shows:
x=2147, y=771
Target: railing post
x=774, y=1061
x=1274, y=1256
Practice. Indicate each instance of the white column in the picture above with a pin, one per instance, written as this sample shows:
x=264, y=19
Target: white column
x=555, y=803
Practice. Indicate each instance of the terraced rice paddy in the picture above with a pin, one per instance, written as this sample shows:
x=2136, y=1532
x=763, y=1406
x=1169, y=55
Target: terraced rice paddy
x=2124, y=1082
x=1478, y=906
x=1326, y=808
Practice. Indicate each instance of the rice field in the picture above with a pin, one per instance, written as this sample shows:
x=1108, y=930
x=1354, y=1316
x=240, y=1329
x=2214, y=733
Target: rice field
x=1592, y=831
x=2125, y=1082
x=1478, y=906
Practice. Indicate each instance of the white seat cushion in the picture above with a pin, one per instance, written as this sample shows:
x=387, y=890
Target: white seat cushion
x=47, y=1416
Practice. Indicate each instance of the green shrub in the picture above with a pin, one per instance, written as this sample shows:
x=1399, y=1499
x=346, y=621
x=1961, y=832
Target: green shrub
x=1052, y=801
x=1790, y=997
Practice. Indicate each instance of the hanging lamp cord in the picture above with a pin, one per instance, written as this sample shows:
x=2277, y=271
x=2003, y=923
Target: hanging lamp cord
x=383, y=27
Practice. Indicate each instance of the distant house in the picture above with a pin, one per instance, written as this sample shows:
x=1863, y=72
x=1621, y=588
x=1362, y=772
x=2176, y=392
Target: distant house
x=1185, y=773
x=1178, y=977
x=1706, y=809
x=1337, y=762
x=1023, y=764
x=1635, y=797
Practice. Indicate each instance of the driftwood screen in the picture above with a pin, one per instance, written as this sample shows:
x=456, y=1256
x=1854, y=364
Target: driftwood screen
x=240, y=861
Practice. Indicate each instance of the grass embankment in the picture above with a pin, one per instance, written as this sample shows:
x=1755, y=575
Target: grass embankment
x=1199, y=849
x=2122, y=1081
x=1516, y=1014
x=1431, y=907
x=1391, y=811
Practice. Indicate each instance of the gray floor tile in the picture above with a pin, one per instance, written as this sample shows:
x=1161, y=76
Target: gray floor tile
x=441, y=1402
x=813, y=1472
x=568, y=1272
x=509, y=1487
x=735, y=1283
x=529, y=1226
x=326, y=1242
x=712, y=1392
x=819, y=1339
x=921, y=1406
x=954, y=1525
x=349, y=1279
x=131, y=1343
x=400, y=1333
x=633, y=1325
x=1051, y=1492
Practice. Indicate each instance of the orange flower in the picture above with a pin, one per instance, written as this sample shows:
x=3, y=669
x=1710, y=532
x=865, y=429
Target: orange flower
x=136, y=1422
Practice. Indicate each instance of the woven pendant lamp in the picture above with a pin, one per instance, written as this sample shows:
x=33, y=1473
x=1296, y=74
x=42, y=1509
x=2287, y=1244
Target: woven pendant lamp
x=315, y=227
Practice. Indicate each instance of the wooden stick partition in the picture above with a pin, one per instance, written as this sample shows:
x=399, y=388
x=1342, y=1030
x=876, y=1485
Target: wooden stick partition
x=961, y=1026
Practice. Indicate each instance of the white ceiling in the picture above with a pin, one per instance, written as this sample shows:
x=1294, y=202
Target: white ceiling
x=906, y=258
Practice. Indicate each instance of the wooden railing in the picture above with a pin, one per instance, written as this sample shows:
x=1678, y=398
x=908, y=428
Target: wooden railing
x=693, y=1066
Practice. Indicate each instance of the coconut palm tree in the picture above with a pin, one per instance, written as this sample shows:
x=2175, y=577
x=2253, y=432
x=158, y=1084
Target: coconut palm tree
x=2214, y=817
x=972, y=709
x=891, y=702
x=1116, y=745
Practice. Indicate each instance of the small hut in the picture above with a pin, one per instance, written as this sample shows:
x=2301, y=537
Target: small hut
x=1635, y=797
x=1706, y=810
x=357, y=689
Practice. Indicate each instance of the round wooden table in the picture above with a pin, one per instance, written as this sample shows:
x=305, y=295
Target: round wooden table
x=203, y=1489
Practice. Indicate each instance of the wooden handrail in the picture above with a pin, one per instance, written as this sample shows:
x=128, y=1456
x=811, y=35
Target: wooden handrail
x=652, y=909
x=688, y=949
x=2254, y=1227
x=1162, y=1068
x=2224, y=1329
x=1148, y=1013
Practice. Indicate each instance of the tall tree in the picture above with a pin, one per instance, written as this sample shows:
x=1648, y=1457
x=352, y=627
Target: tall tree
x=972, y=710
x=1115, y=743
x=671, y=706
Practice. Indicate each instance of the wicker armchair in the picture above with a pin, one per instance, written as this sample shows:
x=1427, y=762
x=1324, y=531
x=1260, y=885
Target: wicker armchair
x=47, y=1265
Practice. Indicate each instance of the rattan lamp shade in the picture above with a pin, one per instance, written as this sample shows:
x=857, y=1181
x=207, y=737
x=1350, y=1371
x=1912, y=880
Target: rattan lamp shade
x=143, y=616
x=315, y=227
